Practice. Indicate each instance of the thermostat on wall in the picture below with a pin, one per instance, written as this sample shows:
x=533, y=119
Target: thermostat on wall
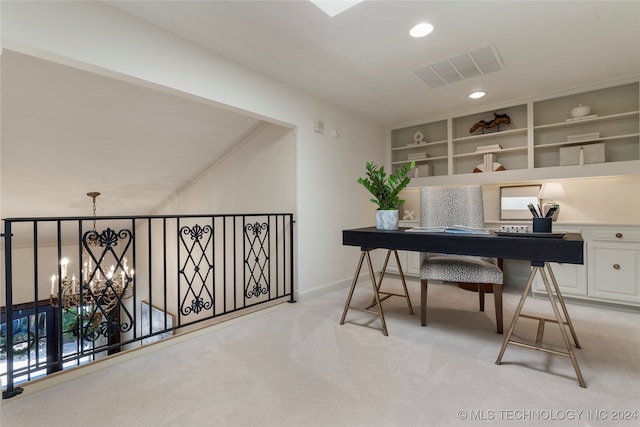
x=318, y=126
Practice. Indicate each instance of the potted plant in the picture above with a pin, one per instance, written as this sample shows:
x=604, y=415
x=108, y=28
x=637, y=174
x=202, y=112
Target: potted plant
x=386, y=192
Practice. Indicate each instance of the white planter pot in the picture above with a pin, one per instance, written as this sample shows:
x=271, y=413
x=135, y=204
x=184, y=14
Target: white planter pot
x=387, y=219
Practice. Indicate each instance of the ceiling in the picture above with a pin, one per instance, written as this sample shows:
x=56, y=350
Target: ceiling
x=66, y=132
x=60, y=123
x=363, y=58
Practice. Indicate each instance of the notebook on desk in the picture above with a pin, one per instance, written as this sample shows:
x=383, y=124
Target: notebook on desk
x=460, y=229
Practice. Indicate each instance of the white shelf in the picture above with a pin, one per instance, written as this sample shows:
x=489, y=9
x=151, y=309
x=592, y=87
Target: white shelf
x=411, y=147
x=587, y=141
x=497, y=152
x=402, y=162
x=584, y=121
x=491, y=135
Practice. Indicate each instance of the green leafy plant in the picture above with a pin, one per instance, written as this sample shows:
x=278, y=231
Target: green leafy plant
x=386, y=190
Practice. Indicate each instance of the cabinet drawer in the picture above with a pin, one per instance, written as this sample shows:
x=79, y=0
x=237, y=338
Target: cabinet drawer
x=617, y=234
x=614, y=272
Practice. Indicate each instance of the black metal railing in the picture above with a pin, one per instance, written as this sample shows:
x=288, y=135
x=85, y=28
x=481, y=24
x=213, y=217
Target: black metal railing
x=129, y=281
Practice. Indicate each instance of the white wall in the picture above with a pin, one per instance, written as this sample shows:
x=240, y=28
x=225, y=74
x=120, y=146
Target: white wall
x=260, y=174
x=606, y=200
x=93, y=36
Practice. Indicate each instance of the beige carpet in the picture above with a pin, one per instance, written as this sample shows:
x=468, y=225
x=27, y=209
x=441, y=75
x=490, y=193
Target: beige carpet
x=296, y=366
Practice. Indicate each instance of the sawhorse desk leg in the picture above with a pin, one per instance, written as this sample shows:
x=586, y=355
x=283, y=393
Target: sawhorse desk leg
x=559, y=320
x=376, y=284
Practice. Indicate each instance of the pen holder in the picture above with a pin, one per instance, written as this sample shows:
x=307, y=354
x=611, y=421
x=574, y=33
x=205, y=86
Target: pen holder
x=542, y=225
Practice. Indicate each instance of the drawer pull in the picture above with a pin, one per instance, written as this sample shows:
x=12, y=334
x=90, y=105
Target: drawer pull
x=619, y=235
x=616, y=266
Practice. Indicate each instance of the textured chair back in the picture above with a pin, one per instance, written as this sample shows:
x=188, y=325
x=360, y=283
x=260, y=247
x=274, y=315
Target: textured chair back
x=443, y=206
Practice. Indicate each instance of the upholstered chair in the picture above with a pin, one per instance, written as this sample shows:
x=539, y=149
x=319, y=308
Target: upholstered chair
x=443, y=206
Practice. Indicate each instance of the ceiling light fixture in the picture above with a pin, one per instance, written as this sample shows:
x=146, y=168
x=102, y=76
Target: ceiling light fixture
x=99, y=291
x=477, y=94
x=421, y=30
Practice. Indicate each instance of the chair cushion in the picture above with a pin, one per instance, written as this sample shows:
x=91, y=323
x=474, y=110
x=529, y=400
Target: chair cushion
x=458, y=268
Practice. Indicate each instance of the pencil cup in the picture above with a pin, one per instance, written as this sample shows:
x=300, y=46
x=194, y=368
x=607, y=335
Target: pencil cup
x=542, y=225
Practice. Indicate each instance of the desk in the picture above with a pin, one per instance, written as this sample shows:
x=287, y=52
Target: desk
x=539, y=251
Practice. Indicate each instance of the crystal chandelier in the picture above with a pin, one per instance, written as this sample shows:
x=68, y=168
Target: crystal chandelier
x=99, y=287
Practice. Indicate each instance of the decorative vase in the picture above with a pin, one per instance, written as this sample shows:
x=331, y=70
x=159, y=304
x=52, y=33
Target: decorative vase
x=387, y=219
x=580, y=111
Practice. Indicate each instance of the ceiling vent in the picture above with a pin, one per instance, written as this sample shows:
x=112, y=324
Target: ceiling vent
x=466, y=66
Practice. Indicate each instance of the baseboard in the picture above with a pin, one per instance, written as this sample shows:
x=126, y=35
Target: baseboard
x=328, y=288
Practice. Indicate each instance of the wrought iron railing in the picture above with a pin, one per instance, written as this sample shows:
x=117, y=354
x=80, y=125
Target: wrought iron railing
x=168, y=274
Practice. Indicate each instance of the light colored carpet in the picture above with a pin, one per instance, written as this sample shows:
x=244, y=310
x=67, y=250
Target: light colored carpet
x=296, y=366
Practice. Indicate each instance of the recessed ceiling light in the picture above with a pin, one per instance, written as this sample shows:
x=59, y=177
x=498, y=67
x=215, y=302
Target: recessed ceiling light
x=421, y=30
x=477, y=94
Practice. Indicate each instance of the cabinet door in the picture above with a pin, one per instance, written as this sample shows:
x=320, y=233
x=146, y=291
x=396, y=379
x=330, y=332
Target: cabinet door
x=571, y=278
x=413, y=264
x=392, y=265
x=613, y=272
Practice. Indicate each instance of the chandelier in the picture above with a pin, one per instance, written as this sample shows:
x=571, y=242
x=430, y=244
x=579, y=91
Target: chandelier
x=99, y=289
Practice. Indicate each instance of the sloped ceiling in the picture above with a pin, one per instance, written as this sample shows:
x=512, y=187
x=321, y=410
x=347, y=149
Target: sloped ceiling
x=67, y=132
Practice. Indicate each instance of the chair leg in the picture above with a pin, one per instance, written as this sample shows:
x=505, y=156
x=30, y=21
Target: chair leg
x=481, y=295
x=423, y=302
x=497, y=298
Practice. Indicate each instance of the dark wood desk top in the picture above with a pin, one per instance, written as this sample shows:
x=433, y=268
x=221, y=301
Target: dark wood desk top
x=538, y=250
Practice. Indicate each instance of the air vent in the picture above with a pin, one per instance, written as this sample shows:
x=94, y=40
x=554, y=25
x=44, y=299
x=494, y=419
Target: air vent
x=466, y=66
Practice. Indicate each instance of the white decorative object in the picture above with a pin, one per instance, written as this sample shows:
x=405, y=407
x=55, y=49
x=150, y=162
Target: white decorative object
x=580, y=111
x=387, y=219
x=489, y=164
x=591, y=153
x=418, y=138
x=583, y=137
x=417, y=156
x=423, y=170
x=514, y=228
x=408, y=215
x=488, y=148
x=574, y=119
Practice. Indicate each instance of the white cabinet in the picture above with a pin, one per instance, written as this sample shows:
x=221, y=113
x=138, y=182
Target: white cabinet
x=409, y=260
x=611, y=272
x=571, y=278
x=614, y=264
x=528, y=148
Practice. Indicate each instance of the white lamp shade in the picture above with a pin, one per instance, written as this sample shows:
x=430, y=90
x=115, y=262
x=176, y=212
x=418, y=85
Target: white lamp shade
x=551, y=191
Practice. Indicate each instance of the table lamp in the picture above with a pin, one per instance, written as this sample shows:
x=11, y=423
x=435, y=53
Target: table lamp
x=551, y=191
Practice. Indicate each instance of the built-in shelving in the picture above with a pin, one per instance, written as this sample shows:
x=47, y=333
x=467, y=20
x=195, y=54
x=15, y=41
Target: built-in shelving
x=531, y=146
